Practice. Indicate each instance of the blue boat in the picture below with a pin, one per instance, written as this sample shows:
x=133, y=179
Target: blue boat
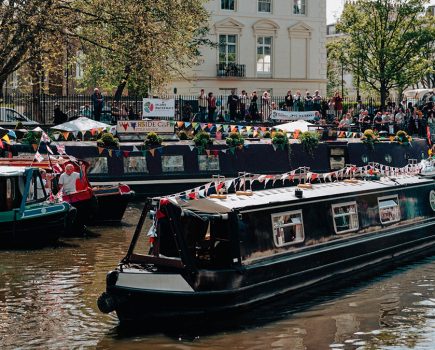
x=27, y=217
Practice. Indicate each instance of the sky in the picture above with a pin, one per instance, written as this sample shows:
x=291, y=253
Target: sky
x=334, y=8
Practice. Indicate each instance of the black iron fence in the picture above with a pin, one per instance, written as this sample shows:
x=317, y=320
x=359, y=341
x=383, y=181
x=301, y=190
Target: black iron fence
x=41, y=107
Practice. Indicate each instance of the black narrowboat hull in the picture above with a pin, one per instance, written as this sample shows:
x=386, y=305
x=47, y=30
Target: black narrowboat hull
x=111, y=205
x=35, y=232
x=286, y=274
x=86, y=210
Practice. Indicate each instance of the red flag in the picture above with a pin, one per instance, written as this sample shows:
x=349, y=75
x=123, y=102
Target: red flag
x=429, y=138
x=160, y=214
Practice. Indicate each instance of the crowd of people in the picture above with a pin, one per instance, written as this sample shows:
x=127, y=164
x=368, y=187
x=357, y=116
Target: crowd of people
x=330, y=112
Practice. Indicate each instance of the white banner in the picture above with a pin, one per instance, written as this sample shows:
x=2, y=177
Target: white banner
x=145, y=126
x=285, y=115
x=153, y=107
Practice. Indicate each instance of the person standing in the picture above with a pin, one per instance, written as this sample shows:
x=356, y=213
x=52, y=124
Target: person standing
x=297, y=101
x=265, y=105
x=253, y=107
x=317, y=100
x=233, y=104
x=211, y=106
x=97, y=104
x=289, y=101
x=202, y=104
x=337, y=102
x=244, y=101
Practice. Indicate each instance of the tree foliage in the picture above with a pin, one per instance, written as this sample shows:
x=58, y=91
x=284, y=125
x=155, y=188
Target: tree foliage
x=129, y=41
x=385, y=42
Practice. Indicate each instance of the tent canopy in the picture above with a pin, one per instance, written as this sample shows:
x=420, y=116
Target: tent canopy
x=81, y=124
x=300, y=125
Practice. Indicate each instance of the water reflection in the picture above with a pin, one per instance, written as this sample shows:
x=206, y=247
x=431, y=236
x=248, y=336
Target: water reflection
x=48, y=300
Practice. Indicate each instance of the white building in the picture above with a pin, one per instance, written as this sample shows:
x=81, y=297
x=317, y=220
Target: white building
x=273, y=45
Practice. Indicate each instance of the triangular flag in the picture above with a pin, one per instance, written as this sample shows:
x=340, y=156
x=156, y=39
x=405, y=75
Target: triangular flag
x=152, y=151
x=65, y=135
x=135, y=149
x=218, y=135
x=75, y=133
x=44, y=137
x=39, y=157
x=100, y=150
x=233, y=150
x=6, y=138
x=60, y=149
x=186, y=124
x=56, y=136
x=208, y=152
x=49, y=149
x=191, y=147
x=144, y=153
x=1, y=144
x=126, y=153
x=110, y=152
x=180, y=124
x=118, y=152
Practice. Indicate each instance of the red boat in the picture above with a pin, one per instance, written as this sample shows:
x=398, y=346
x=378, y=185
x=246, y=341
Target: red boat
x=102, y=204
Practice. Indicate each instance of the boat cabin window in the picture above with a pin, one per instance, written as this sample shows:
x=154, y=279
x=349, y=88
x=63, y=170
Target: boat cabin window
x=389, y=210
x=8, y=194
x=97, y=165
x=288, y=228
x=432, y=200
x=208, y=162
x=345, y=217
x=37, y=191
x=172, y=164
x=135, y=165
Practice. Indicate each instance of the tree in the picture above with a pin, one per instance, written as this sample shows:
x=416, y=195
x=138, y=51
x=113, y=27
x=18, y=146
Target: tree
x=140, y=42
x=384, y=42
x=144, y=44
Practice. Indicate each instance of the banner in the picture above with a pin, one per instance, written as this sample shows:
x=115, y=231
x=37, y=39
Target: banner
x=293, y=116
x=145, y=126
x=153, y=107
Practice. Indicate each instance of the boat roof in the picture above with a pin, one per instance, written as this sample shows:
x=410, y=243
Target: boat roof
x=277, y=196
x=6, y=171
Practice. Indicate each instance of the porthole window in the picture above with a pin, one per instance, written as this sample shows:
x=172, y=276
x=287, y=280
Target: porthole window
x=365, y=158
x=388, y=158
x=432, y=199
x=288, y=228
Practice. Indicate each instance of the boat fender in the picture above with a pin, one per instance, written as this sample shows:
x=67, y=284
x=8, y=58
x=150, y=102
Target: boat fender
x=111, y=278
x=299, y=193
x=106, y=303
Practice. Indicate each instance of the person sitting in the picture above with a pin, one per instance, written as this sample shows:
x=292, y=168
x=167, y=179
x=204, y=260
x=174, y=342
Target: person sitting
x=68, y=179
x=59, y=116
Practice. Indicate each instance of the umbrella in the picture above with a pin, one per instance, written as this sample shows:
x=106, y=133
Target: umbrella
x=300, y=125
x=80, y=124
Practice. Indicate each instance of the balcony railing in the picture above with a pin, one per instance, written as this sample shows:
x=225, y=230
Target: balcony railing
x=230, y=70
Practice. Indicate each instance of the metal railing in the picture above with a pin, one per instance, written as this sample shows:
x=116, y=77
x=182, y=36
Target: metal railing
x=230, y=70
x=40, y=108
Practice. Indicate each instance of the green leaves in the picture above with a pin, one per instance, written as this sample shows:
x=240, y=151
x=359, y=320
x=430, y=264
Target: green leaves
x=385, y=42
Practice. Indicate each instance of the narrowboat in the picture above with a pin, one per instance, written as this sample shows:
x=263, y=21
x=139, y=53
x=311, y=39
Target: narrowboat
x=27, y=219
x=213, y=251
x=96, y=205
x=180, y=165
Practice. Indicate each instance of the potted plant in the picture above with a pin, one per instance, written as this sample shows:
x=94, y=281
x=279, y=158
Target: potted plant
x=403, y=138
x=107, y=140
x=280, y=139
x=370, y=138
x=153, y=140
x=202, y=140
x=235, y=139
x=267, y=135
x=309, y=141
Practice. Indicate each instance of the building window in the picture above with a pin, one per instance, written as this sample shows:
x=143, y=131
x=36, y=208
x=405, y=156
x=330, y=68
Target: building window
x=345, y=216
x=288, y=228
x=135, y=165
x=264, y=54
x=227, y=49
x=228, y=5
x=208, y=163
x=389, y=210
x=171, y=164
x=265, y=6
x=299, y=7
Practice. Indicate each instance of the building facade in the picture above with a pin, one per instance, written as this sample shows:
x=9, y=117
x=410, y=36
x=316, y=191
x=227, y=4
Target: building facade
x=275, y=45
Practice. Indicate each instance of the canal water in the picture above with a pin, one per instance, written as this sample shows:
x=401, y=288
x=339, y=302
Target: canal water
x=48, y=301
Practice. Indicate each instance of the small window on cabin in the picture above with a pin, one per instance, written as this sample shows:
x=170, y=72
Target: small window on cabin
x=389, y=209
x=97, y=165
x=208, y=163
x=345, y=216
x=171, y=164
x=288, y=228
x=135, y=165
